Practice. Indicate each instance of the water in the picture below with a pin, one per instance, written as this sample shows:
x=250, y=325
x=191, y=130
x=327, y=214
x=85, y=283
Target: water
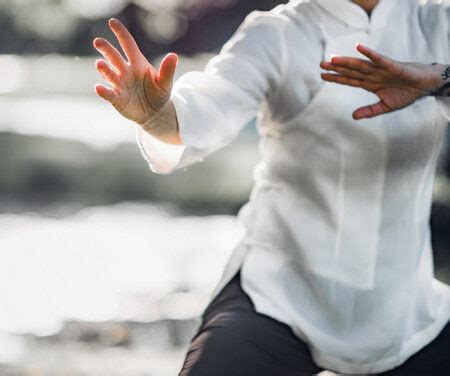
x=53, y=96
x=85, y=265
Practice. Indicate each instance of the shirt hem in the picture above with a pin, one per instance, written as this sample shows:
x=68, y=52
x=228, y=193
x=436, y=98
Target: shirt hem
x=411, y=347
x=418, y=341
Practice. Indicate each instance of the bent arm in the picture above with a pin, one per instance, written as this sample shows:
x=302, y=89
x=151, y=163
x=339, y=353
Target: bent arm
x=182, y=122
x=212, y=106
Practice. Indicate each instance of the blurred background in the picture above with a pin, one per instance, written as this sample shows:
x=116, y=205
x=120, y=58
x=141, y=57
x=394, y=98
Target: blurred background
x=104, y=265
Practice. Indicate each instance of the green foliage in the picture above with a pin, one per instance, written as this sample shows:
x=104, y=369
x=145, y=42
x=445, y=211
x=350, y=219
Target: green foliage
x=39, y=170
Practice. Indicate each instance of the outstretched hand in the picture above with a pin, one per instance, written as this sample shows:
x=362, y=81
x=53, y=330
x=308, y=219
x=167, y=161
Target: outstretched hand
x=396, y=84
x=138, y=91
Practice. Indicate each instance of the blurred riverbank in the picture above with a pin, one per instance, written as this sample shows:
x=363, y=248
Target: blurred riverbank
x=113, y=290
x=41, y=173
x=127, y=262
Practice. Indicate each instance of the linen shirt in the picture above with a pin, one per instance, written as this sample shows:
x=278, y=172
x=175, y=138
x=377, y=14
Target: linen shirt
x=337, y=242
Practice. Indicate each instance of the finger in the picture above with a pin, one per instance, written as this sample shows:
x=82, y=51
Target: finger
x=107, y=72
x=342, y=80
x=353, y=73
x=361, y=65
x=374, y=56
x=371, y=111
x=110, y=53
x=107, y=93
x=167, y=72
x=126, y=40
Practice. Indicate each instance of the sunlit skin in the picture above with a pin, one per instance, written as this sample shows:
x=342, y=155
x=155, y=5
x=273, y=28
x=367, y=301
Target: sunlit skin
x=367, y=5
x=138, y=90
x=396, y=84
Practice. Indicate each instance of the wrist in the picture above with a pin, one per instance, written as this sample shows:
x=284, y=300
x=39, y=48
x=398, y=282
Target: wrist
x=163, y=124
x=439, y=80
x=431, y=78
x=152, y=119
x=149, y=123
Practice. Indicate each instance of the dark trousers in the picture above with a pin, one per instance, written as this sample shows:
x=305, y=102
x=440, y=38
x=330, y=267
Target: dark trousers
x=234, y=340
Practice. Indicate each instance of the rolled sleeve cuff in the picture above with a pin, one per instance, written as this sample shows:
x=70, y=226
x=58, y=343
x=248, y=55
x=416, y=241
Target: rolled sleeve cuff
x=161, y=157
x=164, y=158
x=444, y=104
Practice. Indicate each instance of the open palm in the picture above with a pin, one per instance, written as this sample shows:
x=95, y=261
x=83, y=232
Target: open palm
x=396, y=84
x=138, y=91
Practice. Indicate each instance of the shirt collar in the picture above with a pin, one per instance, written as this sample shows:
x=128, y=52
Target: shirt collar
x=356, y=17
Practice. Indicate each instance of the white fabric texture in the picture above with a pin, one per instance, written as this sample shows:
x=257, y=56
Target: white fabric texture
x=337, y=243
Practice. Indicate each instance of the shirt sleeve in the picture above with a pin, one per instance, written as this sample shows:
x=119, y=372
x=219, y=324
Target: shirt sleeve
x=444, y=102
x=213, y=105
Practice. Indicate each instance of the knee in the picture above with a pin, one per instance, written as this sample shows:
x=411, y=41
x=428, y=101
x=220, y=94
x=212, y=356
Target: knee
x=213, y=353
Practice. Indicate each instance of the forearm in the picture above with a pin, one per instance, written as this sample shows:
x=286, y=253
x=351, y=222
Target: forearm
x=164, y=125
x=440, y=83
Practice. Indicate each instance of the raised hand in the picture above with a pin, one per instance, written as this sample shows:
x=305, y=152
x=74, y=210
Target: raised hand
x=138, y=91
x=396, y=84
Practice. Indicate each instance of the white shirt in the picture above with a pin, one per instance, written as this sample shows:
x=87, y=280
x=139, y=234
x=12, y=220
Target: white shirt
x=337, y=243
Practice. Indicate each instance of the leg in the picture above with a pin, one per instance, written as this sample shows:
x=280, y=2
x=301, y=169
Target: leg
x=433, y=359
x=235, y=340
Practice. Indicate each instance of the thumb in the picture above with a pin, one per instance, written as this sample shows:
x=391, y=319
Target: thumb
x=167, y=71
x=373, y=110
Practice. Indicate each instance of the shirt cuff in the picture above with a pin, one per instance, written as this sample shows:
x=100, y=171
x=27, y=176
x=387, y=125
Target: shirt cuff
x=161, y=157
x=444, y=104
x=164, y=158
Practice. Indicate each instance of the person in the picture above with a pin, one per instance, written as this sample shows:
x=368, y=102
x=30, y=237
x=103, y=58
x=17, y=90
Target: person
x=335, y=270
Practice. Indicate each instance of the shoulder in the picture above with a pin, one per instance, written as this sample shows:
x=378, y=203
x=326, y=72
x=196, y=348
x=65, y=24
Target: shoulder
x=432, y=9
x=296, y=14
x=266, y=29
x=279, y=32
x=274, y=20
x=433, y=17
x=432, y=4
